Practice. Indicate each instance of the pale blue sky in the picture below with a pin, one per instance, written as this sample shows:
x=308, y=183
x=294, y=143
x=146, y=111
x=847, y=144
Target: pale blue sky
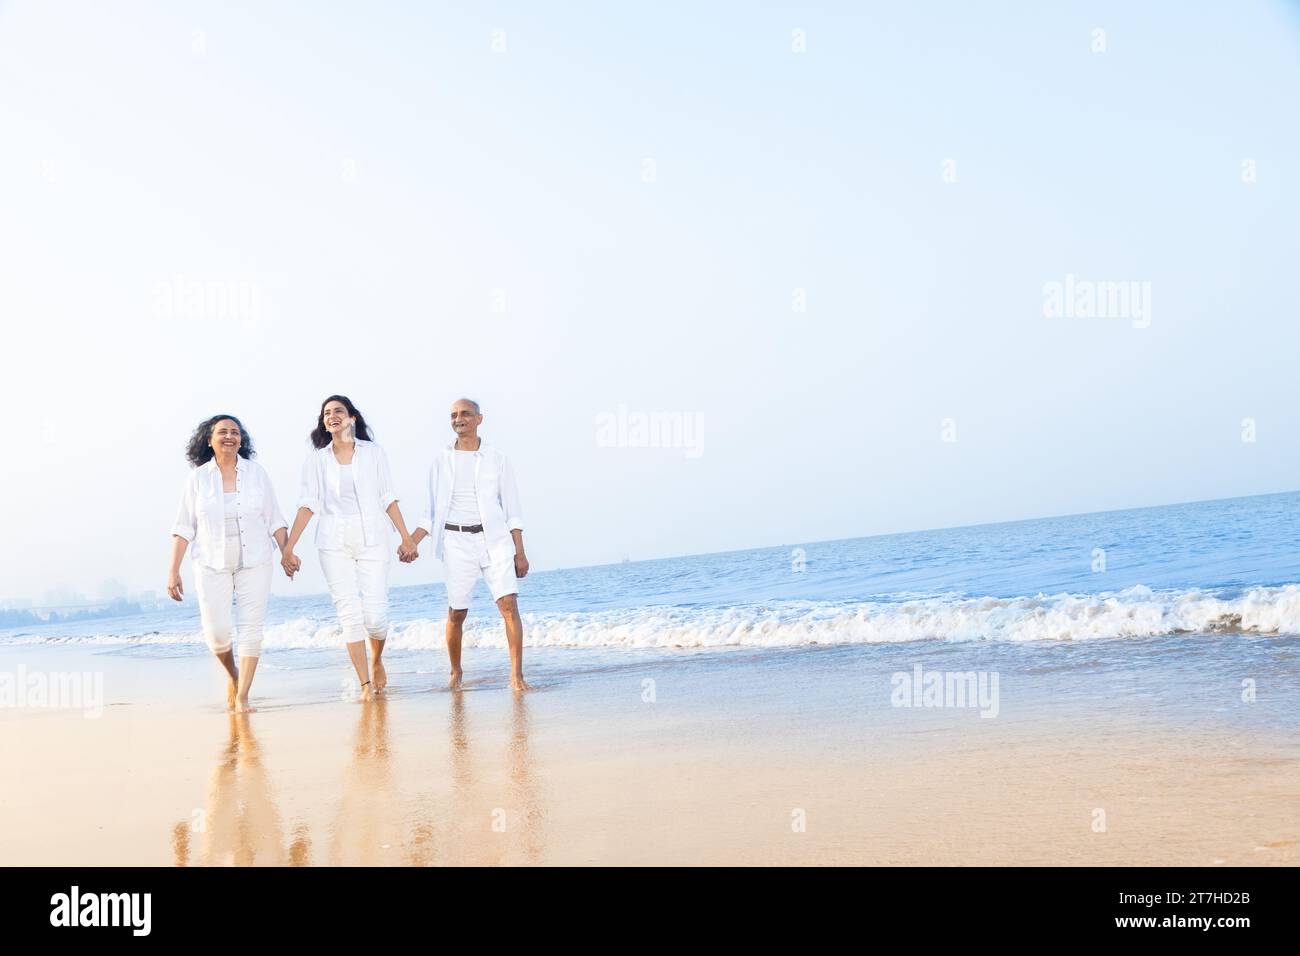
x=376, y=171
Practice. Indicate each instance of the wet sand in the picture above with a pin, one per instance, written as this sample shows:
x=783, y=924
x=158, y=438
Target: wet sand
x=717, y=760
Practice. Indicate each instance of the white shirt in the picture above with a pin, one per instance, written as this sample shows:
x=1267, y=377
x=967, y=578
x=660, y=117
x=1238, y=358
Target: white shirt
x=322, y=493
x=201, y=518
x=498, y=500
x=464, y=499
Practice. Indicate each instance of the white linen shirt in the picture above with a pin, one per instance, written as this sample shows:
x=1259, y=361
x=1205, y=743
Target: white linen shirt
x=321, y=492
x=201, y=518
x=498, y=499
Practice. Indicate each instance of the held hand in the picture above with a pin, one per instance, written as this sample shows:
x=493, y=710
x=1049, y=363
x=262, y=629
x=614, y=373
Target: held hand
x=291, y=563
x=407, y=551
x=521, y=565
x=175, y=589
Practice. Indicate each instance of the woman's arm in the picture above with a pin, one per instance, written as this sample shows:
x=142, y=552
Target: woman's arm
x=311, y=498
x=175, y=590
x=291, y=563
x=407, y=550
x=183, y=531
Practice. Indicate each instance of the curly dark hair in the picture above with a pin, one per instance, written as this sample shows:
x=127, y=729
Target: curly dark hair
x=320, y=437
x=199, y=450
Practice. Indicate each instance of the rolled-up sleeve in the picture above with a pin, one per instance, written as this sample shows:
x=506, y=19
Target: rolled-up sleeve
x=271, y=506
x=310, y=493
x=510, y=497
x=186, y=519
x=385, y=480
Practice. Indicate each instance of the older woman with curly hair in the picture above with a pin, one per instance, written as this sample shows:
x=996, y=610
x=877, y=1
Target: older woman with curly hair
x=229, y=514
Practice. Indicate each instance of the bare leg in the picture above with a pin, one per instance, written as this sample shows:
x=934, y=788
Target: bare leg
x=455, y=629
x=357, y=651
x=227, y=659
x=509, y=606
x=379, y=678
x=247, y=668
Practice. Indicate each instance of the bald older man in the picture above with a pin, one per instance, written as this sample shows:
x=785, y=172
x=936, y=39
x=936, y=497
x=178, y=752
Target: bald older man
x=478, y=531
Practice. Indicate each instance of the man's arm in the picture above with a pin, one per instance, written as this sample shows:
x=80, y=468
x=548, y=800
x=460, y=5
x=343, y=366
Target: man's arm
x=514, y=515
x=521, y=559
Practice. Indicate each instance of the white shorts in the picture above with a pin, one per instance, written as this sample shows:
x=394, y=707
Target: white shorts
x=465, y=555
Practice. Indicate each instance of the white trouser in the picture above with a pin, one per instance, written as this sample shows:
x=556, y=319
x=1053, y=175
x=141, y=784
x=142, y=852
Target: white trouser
x=357, y=576
x=250, y=587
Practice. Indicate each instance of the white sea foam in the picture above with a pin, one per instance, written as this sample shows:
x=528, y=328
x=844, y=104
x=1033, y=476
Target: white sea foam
x=1134, y=613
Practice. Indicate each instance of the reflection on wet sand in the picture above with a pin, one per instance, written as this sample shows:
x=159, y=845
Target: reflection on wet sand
x=240, y=825
x=465, y=814
x=482, y=806
x=490, y=824
x=367, y=828
x=530, y=814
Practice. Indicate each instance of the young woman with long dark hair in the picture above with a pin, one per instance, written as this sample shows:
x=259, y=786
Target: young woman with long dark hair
x=346, y=481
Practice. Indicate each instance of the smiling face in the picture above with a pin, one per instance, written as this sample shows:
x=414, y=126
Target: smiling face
x=226, y=437
x=465, y=419
x=337, y=421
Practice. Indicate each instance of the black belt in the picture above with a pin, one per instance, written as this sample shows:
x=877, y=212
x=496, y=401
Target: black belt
x=471, y=528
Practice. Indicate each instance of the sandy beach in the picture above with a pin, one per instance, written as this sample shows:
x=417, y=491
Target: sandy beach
x=663, y=758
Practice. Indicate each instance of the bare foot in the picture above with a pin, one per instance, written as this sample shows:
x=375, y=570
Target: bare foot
x=232, y=692
x=241, y=706
x=454, y=683
x=517, y=682
x=366, y=692
x=379, y=677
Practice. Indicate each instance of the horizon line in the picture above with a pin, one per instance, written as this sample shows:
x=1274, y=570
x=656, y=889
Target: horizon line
x=762, y=547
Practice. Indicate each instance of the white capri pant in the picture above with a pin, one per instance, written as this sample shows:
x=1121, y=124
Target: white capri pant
x=357, y=576
x=465, y=558
x=249, y=587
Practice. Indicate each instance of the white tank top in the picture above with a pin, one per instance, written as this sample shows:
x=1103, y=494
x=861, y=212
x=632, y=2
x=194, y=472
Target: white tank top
x=464, y=498
x=234, y=546
x=348, y=503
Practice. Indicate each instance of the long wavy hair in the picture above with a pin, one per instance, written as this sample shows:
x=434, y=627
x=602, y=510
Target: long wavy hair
x=199, y=450
x=320, y=437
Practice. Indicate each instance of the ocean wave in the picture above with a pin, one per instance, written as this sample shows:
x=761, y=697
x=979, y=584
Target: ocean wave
x=1134, y=613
